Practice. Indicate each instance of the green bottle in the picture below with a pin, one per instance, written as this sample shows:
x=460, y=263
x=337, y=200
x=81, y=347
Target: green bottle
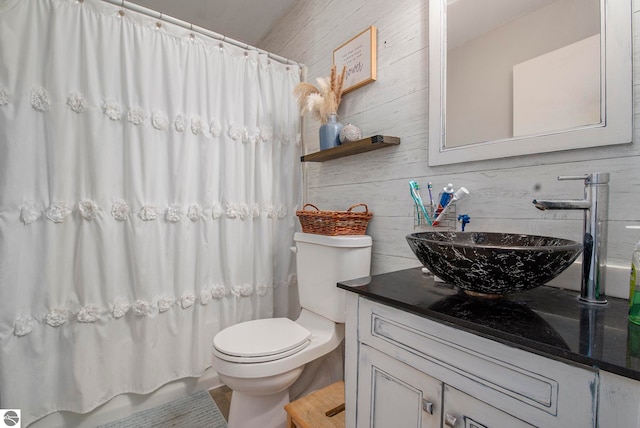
x=634, y=286
x=633, y=346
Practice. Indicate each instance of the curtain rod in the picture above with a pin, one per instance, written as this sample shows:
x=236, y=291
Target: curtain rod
x=161, y=16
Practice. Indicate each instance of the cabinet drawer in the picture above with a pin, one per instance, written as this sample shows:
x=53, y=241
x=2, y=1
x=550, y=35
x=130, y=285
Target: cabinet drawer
x=526, y=385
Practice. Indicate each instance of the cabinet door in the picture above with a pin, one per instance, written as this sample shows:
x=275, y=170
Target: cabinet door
x=463, y=411
x=393, y=394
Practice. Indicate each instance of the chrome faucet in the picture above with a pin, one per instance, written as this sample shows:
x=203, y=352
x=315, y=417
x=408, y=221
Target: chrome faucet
x=596, y=215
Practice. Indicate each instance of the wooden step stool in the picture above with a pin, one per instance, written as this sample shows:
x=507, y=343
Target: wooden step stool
x=311, y=411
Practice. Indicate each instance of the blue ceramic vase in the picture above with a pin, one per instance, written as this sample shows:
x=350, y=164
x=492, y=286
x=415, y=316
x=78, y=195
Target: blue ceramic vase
x=330, y=132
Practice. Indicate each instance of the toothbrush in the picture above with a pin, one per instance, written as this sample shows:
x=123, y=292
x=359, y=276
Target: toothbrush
x=430, y=186
x=461, y=193
x=416, y=197
x=415, y=194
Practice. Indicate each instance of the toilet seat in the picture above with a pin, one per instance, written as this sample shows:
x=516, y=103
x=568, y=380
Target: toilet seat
x=261, y=340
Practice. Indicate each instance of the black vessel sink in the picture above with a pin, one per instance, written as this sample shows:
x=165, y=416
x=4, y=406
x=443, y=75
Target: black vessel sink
x=493, y=264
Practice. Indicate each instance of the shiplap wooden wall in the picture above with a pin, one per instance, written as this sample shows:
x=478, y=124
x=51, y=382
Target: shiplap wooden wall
x=397, y=103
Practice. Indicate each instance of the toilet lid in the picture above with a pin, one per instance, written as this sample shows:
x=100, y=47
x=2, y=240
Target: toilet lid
x=261, y=339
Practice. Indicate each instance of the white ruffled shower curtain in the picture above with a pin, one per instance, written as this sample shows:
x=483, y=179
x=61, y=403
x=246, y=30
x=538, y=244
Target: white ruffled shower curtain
x=148, y=185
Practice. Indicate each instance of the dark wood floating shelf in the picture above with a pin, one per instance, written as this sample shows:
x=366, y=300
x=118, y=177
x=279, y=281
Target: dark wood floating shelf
x=352, y=148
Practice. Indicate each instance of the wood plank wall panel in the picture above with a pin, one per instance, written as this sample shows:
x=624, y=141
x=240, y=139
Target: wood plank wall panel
x=396, y=104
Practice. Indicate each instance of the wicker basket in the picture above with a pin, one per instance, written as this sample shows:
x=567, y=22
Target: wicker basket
x=334, y=222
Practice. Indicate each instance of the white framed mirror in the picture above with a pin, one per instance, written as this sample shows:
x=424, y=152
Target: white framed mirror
x=519, y=77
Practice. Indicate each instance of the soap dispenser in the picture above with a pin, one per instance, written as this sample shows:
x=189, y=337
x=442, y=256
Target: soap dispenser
x=634, y=285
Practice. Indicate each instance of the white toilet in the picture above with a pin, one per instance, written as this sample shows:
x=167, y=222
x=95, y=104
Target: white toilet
x=259, y=360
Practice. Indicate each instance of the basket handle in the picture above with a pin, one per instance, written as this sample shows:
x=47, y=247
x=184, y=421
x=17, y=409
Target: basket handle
x=366, y=209
x=310, y=205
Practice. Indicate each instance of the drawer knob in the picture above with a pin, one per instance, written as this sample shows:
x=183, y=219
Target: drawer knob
x=450, y=420
x=427, y=406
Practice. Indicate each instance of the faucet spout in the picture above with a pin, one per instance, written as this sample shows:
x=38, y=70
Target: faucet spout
x=562, y=204
x=595, y=205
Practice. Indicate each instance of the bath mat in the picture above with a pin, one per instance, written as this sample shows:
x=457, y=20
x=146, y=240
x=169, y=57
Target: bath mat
x=195, y=411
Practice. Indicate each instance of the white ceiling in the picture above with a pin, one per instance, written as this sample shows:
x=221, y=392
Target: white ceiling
x=247, y=21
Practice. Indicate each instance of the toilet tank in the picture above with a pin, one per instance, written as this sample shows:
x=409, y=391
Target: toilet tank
x=322, y=261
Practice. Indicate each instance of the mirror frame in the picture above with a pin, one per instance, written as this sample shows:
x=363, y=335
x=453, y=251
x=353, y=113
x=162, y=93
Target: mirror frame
x=616, y=95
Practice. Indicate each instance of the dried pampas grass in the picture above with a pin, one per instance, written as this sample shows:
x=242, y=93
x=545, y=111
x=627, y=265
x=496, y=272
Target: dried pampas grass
x=323, y=100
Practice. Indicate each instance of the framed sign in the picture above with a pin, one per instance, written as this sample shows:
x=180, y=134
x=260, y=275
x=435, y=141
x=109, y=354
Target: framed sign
x=359, y=56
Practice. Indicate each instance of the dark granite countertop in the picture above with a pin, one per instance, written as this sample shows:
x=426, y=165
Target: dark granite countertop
x=548, y=321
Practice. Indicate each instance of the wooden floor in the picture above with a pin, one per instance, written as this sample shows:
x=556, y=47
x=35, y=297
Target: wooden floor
x=222, y=397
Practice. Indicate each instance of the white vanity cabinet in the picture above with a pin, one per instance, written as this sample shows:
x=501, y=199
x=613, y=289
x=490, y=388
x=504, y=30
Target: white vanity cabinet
x=404, y=370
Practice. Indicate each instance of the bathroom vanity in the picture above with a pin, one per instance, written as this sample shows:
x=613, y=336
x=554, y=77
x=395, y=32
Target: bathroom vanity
x=421, y=353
